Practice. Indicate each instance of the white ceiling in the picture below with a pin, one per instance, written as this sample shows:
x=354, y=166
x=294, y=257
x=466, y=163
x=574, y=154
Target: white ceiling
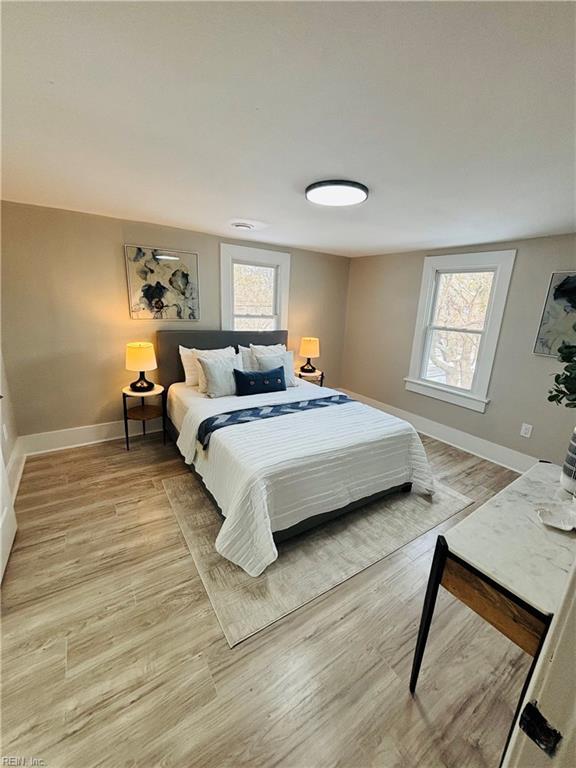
x=458, y=116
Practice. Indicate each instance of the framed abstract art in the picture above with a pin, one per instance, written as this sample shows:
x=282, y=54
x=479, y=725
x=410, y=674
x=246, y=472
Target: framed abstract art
x=162, y=284
x=559, y=315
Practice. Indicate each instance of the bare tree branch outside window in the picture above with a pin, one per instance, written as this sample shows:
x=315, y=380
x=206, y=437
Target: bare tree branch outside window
x=455, y=333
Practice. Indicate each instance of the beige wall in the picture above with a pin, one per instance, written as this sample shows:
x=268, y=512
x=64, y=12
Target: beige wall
x=65, y=309
x=7, y=420
x=382, y=301
x=65, y=323
x=8, y=432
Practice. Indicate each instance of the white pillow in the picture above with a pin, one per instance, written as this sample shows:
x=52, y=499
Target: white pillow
x=268, y=362
x=188, y=359
x=219, y=374
x=210, y=354
x=248, y=354
x=261, y=349
x=247, y=358
x=193, y=372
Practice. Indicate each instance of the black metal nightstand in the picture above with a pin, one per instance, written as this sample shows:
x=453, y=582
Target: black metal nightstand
x=316, y=378
x=144, y=412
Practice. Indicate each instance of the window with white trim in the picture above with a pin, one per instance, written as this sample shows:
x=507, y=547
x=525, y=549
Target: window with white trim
x=254, y=288
x=460, y=312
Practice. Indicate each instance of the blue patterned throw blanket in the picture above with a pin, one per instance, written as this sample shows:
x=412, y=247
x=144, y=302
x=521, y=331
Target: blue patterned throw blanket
x=210, y=425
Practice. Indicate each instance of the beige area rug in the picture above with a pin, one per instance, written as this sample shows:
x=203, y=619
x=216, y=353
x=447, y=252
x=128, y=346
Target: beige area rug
x=308, y=565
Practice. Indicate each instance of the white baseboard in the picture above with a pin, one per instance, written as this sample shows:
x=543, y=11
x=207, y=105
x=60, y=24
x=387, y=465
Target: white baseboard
x=60, y=439
x=15, y=468
x=499, y=454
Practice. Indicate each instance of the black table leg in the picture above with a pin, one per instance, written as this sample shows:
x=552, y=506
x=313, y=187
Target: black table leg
x=164, y=417
x=434, y=580
x=125, y=421
x=143, y=420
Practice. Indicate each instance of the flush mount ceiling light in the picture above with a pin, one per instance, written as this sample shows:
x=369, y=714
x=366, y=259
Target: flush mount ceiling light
x=336, y=192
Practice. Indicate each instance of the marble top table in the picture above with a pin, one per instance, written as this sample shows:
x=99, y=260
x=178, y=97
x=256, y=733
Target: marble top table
x=504, y=564
x=505, y=540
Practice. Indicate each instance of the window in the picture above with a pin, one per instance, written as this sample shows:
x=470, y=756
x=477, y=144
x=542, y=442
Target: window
x=462, y=300
x=254, y=285
x=456, y=327
x=254, y=297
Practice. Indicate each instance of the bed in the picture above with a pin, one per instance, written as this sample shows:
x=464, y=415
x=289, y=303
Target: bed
x=277, y=477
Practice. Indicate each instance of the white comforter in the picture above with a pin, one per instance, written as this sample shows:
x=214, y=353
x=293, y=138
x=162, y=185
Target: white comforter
x=269, y=475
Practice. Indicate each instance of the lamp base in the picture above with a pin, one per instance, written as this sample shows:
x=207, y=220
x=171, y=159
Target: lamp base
x=141, y=384
x=307, y=367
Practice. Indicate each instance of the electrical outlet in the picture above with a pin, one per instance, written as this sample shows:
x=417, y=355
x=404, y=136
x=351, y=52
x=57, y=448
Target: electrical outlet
x=526, y=430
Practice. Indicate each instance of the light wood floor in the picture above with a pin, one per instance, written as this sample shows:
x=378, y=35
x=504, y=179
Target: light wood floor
x=112, y=655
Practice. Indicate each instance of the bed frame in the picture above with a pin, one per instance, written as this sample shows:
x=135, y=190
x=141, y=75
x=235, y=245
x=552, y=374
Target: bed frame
x=167, y=343
x=171, y=371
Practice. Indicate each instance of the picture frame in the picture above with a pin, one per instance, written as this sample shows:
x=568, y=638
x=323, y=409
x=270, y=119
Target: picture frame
x=162, y=283
x=558, y=315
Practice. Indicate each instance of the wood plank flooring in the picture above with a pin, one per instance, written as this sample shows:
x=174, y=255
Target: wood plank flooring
x=112, y=655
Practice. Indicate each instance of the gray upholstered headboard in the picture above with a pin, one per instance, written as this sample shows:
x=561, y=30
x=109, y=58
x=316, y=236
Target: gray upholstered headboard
x=167, y=342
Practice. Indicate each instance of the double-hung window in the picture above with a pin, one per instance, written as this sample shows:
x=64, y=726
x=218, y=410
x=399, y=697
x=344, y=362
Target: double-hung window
x=254, y=286
x=460, y=312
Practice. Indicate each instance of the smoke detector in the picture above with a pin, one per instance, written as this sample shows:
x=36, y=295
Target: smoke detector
x=246, y=225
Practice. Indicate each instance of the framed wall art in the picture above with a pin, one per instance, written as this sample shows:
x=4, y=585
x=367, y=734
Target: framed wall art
x=559, y=314
x=162, y=284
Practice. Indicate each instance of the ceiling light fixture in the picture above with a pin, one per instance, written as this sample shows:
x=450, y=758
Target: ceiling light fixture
x=336, y=192
x=246, y=225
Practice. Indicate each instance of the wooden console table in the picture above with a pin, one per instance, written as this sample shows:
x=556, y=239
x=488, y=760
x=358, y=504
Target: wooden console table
x=504, y=564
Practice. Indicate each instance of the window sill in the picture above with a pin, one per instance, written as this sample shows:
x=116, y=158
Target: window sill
x=463, y=399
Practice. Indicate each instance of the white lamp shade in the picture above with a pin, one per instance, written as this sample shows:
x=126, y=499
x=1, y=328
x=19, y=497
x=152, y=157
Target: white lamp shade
x=140, y=356
x=309, y=346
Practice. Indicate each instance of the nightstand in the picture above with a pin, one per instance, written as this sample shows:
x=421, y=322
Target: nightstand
x=144, y=412
x=316, y=378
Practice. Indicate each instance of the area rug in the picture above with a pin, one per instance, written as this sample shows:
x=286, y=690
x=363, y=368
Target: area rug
x=308, y=565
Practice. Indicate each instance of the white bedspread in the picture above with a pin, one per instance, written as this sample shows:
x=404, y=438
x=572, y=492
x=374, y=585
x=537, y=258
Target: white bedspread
x=269, y=475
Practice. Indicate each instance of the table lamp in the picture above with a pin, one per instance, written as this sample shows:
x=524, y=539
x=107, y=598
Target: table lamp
x=309, y=347
x=140, y=357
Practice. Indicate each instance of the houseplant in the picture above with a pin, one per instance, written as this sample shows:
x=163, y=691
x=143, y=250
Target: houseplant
x=564, y=393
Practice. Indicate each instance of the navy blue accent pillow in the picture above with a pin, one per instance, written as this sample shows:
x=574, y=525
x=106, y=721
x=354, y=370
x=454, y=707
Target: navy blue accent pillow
x=259, y=382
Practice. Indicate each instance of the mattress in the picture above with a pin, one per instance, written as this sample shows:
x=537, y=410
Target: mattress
x=180, y=396
x=270, y=475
